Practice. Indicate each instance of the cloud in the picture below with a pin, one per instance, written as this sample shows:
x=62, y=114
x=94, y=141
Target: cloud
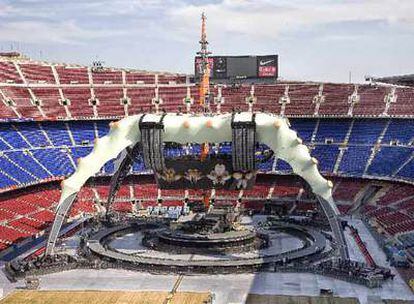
x=5, y=9
x=272, y=19
x=65, y=32
x=73, y=21
x=53, y=9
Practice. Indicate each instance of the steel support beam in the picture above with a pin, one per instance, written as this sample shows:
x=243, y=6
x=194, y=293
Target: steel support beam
x=336, y=227
x=243, y=142
x=61, y=212
x=122, y=167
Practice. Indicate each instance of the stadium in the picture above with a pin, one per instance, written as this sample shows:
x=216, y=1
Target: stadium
x=226, y=186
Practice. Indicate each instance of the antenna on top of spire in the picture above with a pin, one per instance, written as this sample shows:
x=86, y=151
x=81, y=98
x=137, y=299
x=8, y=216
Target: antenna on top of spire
x=203, y=41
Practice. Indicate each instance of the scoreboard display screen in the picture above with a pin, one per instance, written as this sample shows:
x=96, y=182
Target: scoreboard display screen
x=241, y=67
x=229, y=67
x=267, y=66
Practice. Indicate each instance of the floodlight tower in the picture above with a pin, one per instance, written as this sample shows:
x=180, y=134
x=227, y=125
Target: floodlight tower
x=204, y=89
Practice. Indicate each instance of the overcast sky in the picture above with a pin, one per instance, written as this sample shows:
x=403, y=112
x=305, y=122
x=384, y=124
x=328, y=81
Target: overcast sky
x=316, y=40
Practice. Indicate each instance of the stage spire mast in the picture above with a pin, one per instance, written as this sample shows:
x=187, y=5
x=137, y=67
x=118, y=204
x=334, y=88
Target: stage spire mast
x=204, y=88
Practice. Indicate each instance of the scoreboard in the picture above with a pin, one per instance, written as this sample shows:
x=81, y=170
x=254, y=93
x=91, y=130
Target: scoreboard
x=239, y=67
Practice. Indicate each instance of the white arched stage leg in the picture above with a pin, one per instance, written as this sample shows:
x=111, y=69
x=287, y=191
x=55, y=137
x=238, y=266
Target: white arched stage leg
x=271, y=130
x=123, y=134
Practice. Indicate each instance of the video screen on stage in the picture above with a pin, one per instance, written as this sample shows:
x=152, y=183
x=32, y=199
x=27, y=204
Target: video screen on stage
x=191, y=173
x=239, y=67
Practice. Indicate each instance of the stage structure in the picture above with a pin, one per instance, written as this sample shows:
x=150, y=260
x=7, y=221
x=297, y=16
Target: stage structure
x=147, y=132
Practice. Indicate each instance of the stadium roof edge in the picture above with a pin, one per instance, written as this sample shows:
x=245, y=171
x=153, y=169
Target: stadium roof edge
x=405, y=80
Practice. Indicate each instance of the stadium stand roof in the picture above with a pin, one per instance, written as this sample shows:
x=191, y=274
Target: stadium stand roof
x=403, y=80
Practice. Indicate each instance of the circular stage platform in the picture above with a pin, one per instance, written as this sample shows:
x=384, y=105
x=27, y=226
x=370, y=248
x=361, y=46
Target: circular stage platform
x=225, y=243
x=125, y=245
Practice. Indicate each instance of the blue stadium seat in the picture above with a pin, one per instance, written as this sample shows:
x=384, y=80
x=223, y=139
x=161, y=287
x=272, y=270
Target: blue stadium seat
x=57, y=133
x=173, y=152
x=401, y=130
x=15, y=171
x=354, y=160
x=388, y=160
x=6, y=182
x=27, y=162
x=225, y=148
x=266, y=166
x=335, y=129
x=326, y=155
x=33, y=134
x=9, y=135
x=79, y=152
x=304, y=128
x=283, y=166
x=56, y=160
x=138, y=166
x=103, y=127
x=82, y=132
x=366, y=131
x=407, y=172
x=109, y=167
x=3, y=145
